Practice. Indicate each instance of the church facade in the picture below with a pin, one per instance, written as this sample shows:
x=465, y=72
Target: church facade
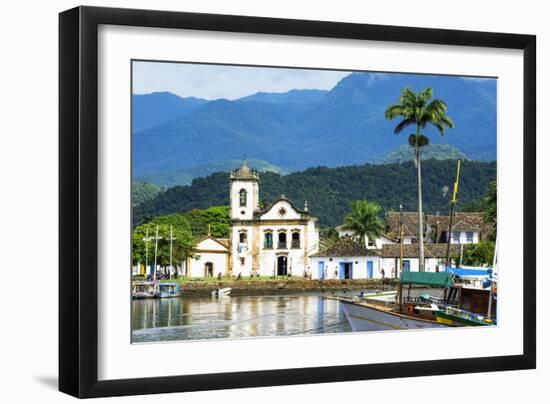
x=274, y=240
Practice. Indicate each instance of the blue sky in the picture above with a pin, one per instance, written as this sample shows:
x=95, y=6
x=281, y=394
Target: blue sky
x=231, y=82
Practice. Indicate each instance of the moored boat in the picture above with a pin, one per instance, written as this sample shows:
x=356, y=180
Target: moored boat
x=167, y=289
x=457, y=317
x=221, y=292
x=408, y=312
x=143, y=290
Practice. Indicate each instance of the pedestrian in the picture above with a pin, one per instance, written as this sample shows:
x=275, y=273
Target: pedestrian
x=383, y=273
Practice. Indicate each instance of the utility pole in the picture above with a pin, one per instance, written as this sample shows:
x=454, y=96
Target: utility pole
x=453, y=204
x=172, y=238
x=157, y=238
x=146, y=240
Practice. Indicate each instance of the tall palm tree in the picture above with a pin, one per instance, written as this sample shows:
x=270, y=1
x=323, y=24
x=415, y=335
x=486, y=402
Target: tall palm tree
x=364, y=220
x=417, y=110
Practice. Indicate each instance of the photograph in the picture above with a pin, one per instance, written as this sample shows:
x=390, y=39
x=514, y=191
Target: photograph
x=286, y=201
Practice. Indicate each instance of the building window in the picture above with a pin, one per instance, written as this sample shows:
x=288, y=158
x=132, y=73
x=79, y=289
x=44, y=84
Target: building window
x=282, y=240
x=242, y=260
x=470, y=237
x=295, y=239
x=268, y=240
x=242, y=197
x=242, y=242
x=456, y=237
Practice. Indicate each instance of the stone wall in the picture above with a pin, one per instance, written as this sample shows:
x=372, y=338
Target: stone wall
x=244, y=287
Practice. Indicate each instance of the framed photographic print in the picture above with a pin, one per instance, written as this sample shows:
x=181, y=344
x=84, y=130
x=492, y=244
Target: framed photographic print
x=251, y=201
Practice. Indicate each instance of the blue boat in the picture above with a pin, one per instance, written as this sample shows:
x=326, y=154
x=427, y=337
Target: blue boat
x=167, y=289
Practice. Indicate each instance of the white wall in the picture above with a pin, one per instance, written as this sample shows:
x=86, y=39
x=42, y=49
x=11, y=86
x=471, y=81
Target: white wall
x=30, y=44
x=463, y=238
x=332, y=265
x=430, y=264
x=197, y=264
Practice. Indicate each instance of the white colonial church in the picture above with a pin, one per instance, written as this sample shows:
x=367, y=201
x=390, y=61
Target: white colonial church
x=275, y=240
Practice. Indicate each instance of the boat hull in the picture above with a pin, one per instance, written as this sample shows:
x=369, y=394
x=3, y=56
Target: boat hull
x=365, y=318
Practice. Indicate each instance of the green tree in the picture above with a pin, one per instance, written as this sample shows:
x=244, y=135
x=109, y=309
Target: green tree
x=417, y=110
x=364, y=220
x=143, y=242
x=214, y=220
x=480, y=254
x=143, y=191
x=328, y=237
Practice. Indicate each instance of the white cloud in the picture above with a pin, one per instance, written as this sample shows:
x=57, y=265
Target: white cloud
x=222, y=81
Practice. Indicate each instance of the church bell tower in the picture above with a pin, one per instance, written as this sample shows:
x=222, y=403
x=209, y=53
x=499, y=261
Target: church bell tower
x=244, y=193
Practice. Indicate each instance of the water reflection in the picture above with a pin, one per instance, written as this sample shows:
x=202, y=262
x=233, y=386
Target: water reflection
x=193, y=318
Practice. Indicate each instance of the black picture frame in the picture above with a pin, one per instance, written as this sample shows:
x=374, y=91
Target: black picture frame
x=78, y=201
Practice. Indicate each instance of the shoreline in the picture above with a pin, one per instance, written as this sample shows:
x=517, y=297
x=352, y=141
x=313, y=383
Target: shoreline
x=269, y=287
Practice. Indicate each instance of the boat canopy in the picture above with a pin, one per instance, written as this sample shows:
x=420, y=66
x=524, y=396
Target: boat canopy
x=441, y=279
x=470, y=272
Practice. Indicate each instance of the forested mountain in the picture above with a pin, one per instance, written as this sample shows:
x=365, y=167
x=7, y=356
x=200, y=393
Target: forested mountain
x=343, y=126
x=434, y=151
x=184, y=176
x=330, y=191
x=157, y=108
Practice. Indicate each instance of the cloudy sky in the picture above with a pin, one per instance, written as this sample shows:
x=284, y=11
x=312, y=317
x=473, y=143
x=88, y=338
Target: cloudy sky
x=231, y=82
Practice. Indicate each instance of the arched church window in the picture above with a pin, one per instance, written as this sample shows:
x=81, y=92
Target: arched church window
x=268, y=239
x=295, y=239
x=242, y=197
x=282, y=240
x=242, y=237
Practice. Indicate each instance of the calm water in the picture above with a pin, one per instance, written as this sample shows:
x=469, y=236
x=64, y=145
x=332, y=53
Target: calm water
x=193, y=318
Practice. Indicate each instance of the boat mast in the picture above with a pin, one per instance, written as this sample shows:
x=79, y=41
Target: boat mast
x=453, y=204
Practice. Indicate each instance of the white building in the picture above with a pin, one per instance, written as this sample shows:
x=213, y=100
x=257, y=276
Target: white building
x=375, y=244
x=211, y=258
x=468, y=227
x=276, y=240
x=346, y=259
x=434, y=257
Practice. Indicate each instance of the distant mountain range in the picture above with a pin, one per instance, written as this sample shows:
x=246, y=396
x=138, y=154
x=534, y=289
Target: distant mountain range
x=330, y=191
x=184, y=176
x=304, y=128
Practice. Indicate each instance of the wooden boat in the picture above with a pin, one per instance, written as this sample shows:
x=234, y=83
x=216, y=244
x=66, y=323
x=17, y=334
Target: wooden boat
x=167, y=289
x=407, y=313
x=366, y=316
x=143, y=290
x=221, y=292
x=457, y=317
x=383, y=296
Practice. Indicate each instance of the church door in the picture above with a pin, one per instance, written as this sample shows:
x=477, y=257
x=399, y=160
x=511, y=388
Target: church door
x=281, y=266
x=208, y=270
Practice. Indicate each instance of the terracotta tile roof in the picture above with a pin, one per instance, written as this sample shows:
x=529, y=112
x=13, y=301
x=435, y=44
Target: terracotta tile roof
x=434, y=250
x=410, y=224
x=462, y=221
x=346, y=247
